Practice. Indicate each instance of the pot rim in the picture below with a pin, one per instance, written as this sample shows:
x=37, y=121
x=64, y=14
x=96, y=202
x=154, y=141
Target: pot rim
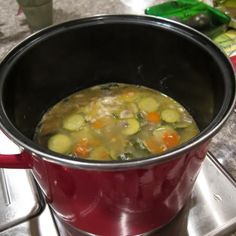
x=16, y=136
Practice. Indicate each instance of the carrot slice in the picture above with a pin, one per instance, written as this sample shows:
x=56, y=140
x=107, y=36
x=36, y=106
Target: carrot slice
x=171, y=139
x=98, y=124
x=153, y=117
x=82, y=148
x=153, y=146
x=81, y=151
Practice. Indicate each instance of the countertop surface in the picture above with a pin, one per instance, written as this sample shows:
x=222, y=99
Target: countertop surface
x=14, y=28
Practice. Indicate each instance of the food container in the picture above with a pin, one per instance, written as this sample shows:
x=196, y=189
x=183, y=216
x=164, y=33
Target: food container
x=114, y=198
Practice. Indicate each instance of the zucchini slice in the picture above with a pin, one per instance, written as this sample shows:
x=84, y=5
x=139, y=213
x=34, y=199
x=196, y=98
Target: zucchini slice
x=130, y=127
x=100, y=153
x=60, y=143
x=148, y=104
x=170, y=115
x=73, y=122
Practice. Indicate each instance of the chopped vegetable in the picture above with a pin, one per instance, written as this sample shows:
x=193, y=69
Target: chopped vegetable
x=126, y=114
x=153, y=117
x=148, y=104
x=170, y=115
x=171, y=139
x=158, y=133
x=82, y=148
x=140, y=116
x=154, y=146
x=130, y=126
x=117, y=144
x=60, y=143
x=100, y=153
x=104, y=122
x=125, y=156
x=167, y=135
x=73, y=122
x=182, y=125
x=98, y=124
x=138, y=144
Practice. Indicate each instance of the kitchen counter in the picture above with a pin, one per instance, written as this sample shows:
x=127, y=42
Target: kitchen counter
x=14, y=28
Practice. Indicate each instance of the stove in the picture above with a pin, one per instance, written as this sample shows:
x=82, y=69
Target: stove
x=23, y=211
x=211, y=210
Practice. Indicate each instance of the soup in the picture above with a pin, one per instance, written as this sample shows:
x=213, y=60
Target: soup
x=115, y=122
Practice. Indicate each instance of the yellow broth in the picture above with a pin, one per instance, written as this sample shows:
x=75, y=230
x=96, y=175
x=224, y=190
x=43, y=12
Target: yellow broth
x=115, y=122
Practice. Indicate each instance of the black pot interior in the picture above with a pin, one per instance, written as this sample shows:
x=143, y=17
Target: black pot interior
x=64, y=59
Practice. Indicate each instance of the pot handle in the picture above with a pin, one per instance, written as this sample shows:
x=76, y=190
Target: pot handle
x=12, y=156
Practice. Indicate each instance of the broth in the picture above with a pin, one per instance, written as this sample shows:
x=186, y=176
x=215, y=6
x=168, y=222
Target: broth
x=115, y=122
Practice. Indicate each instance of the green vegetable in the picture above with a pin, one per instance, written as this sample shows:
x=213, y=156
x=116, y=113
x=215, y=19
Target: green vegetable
x=60, y=143
x=148, y=104
x=138, y=144
x=182, y=125
x=140, y=117
x=73, y=122
x=170, y=115
x=100, y=153
x=125, y=156
x=130, y=126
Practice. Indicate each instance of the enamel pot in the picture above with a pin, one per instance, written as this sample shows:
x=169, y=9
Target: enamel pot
x=114, y=198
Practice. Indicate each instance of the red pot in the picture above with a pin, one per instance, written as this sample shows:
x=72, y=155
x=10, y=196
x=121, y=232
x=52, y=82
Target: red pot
x=114, y=198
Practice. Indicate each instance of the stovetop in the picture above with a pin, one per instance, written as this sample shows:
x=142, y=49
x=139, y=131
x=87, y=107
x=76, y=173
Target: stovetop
x=211, y=210
x=23, y=211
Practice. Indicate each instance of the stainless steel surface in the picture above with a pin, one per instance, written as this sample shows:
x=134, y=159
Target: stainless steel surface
x=19, y=198
x=43, y=225
x=211, y=209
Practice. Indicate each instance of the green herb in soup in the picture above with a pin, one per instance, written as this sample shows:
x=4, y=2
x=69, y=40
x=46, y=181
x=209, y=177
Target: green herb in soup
x=115, y=122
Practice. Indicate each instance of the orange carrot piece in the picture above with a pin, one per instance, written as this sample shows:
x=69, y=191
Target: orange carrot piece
x=82, y=148
x=153, y=117
x=81, y=151
x=171, y=139
x=98, y=124
x=104, y=156
x=153, y=146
